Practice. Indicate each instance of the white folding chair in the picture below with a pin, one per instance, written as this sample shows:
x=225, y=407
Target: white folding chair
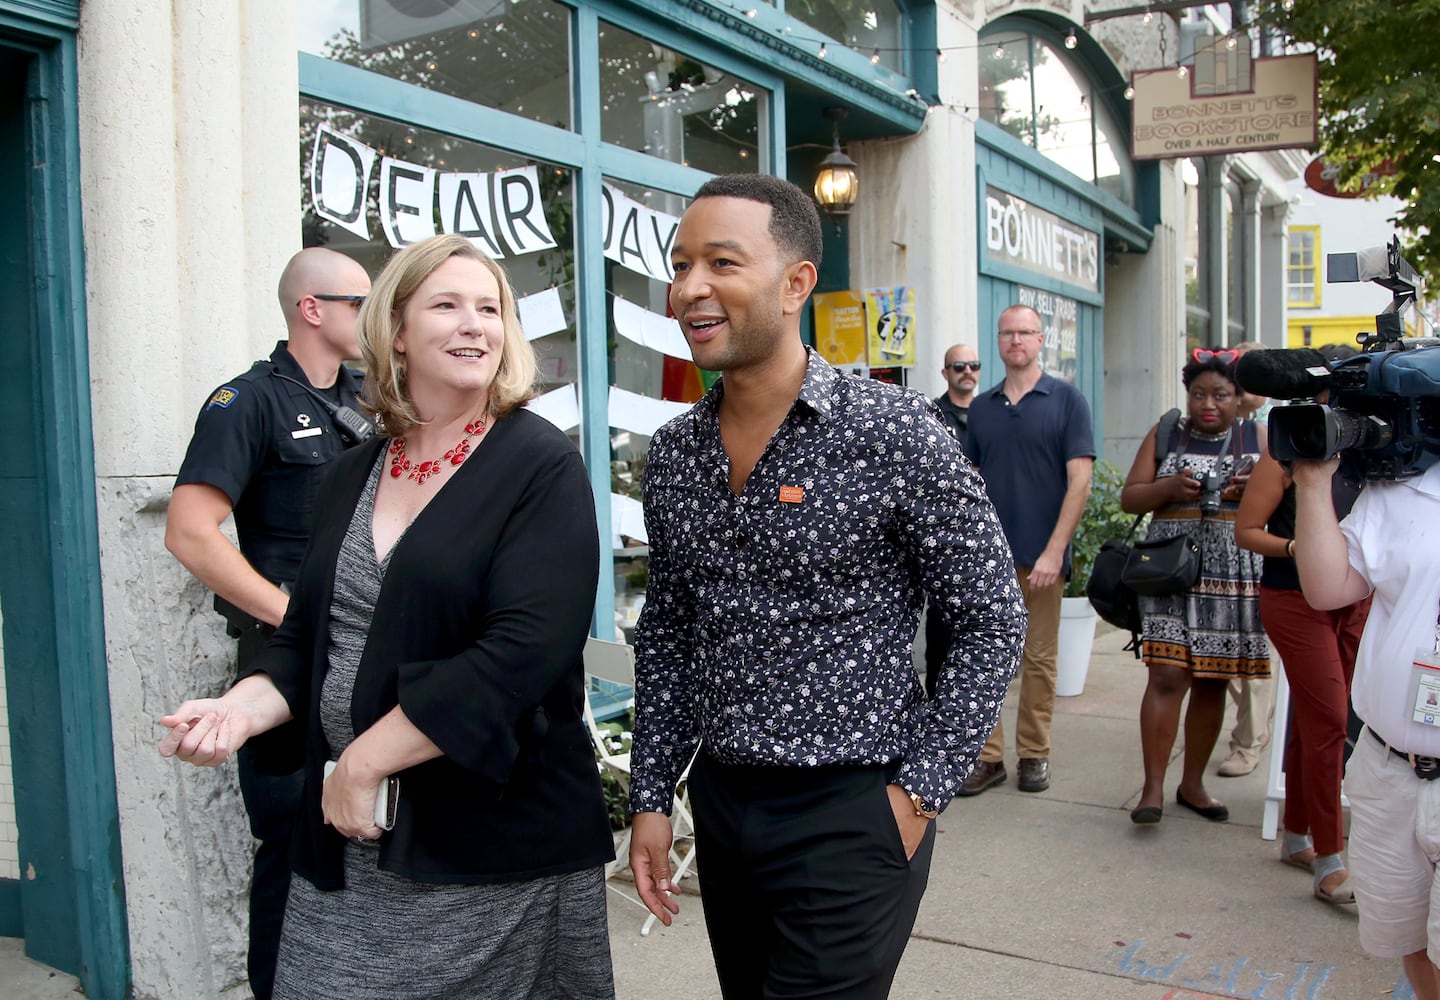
x=615, y=662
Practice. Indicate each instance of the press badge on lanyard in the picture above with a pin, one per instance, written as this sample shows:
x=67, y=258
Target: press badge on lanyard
x=1425, y=687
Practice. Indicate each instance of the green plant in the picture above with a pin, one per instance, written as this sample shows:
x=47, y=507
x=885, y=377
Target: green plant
x=1103, y=520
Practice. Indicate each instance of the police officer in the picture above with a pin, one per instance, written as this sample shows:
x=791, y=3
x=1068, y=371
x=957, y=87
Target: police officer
x=259, y=450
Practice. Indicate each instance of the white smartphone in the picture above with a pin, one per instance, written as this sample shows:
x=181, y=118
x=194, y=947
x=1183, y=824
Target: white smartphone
x=385, y=801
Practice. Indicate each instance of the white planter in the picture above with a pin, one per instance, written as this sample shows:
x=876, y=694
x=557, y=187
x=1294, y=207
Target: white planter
x=1077, y=636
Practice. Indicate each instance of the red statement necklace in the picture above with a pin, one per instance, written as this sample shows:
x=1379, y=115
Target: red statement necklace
x=401, y=465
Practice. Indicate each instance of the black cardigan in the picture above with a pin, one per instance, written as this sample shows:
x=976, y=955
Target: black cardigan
x=477, y=635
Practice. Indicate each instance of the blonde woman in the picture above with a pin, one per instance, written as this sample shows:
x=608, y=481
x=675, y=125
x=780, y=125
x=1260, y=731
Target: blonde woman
x=435, y=636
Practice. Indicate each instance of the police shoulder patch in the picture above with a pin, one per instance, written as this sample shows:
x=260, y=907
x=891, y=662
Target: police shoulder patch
x=224, y=396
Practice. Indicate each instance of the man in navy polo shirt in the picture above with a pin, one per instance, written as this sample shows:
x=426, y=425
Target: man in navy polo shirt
x=1030, y=437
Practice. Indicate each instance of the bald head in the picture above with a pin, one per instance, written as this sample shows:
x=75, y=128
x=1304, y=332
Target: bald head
x=318, y=271
x=961, y=382
x=320, y=295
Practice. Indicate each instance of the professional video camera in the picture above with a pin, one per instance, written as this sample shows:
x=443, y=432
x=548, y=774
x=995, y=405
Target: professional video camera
x=1383, y=417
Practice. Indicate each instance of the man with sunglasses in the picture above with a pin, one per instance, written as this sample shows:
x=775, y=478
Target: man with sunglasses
x=1030, y=437
x=961, y=372
x=259, y=451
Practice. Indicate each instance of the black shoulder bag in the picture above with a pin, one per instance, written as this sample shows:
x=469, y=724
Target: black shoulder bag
x=1114, y=600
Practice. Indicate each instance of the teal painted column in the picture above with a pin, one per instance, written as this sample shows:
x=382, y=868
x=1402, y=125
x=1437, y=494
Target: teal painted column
x=79, y=611
x=591, y=322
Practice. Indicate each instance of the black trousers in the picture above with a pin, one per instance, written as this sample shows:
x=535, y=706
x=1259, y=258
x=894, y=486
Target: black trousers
x=273, y=805
x=804, y=880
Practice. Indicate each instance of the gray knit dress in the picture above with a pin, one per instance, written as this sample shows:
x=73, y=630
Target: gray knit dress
x=385, y=937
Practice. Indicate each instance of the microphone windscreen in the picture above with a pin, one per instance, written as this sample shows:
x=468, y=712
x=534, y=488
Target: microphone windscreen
x=1298, y=373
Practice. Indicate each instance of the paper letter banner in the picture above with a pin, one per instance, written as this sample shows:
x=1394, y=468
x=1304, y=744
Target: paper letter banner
x=559, y=406
x=465, y=209
x=541, y=314
x=627, y=517
x=502, y=213
x=519, y=211
x=407, y=201
x=339, y=169
x=648, y=329
x=639, y=414
x=840, y=328
x=638, y=238
x=890, y=317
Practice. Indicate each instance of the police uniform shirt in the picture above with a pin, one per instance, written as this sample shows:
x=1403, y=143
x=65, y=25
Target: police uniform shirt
x=264, y=442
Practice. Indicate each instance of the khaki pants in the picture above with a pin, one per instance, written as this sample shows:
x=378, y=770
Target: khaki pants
x=1254, y=699
x=1037, y=674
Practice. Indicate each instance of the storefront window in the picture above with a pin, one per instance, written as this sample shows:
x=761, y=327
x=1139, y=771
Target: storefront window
x=1006, y=90
x=657, y=101
x=872, y=26
x=1114, y=172
x=1063, y=123
x=516, y=210
x=1035, y=92
x=513, y=55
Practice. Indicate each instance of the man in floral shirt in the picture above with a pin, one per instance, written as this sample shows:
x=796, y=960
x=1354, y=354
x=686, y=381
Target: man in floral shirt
x=797, y=519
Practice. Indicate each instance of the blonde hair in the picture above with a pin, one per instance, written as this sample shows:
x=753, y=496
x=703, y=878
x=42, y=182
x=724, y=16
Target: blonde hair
x=382, y=319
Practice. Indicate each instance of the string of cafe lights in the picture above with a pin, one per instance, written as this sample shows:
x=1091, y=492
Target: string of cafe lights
x=1070, y=41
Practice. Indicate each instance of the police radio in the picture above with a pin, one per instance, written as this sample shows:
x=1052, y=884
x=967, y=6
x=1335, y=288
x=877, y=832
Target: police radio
x=352, y=426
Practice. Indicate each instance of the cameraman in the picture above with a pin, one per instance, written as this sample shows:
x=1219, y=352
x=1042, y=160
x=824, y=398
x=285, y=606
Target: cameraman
x=1389, y=545
x=260, y=447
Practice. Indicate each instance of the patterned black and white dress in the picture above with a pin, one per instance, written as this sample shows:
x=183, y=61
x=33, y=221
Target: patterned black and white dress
x=384, y=936
x=1213, y=630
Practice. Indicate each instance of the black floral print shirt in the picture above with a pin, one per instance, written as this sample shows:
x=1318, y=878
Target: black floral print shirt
x=778, y=623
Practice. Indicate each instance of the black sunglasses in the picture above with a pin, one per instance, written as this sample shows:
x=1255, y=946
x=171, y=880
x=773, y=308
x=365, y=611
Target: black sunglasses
x=355, y=300
x=962, y=366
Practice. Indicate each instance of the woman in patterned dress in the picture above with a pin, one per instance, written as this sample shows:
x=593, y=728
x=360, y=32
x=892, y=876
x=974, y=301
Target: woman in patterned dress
x=1197, y=640
x=435, y=635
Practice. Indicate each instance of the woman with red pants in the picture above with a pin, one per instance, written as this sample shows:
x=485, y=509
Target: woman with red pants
x=1318, y=651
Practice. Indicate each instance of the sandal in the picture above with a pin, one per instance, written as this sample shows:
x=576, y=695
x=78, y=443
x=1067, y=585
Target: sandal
x=1341, y=895
x=1292, y=845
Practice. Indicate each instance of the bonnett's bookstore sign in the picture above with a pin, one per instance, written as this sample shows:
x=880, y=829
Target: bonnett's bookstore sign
x=1228, y=103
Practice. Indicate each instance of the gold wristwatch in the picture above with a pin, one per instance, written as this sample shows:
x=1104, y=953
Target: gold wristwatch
x=922, y=808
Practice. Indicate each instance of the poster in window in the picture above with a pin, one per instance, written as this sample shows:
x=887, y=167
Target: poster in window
x=1060, y=322
x=890, y=320
x=840, y=329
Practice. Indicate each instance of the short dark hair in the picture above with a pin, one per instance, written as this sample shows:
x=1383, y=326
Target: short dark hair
x=1336, y=352
x=794, y=220
x=1194, y=369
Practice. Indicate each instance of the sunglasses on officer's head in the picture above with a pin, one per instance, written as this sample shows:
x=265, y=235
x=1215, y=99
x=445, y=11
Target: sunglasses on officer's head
x=1225, y=357
x=962, y=366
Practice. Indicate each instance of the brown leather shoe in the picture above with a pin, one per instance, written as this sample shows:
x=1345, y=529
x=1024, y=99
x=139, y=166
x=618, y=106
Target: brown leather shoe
x=986, y=773
x=1033, y=774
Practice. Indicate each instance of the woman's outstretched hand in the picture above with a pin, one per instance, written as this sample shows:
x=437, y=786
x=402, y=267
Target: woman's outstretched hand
x=205, y=732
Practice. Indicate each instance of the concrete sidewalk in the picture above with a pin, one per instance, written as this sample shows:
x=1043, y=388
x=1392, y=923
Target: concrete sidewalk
x=1058, y=895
